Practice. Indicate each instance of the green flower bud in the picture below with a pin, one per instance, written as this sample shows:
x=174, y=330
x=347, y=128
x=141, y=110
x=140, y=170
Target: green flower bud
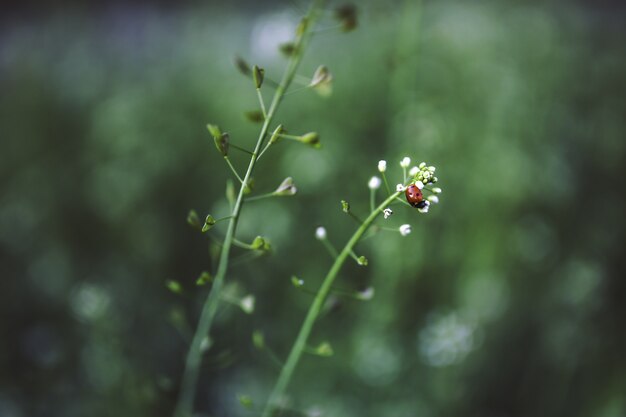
x=255, y=116
x=257, y=75
x=362, y=260
x=204, y=278
x=258, y=243
x=311, y=138
x=287, y=49
x=174, y=286
x=222, y=142
x=258, y=340
x=345, y=206
x=214, y=130
x=193, y=220
x=245, y=401
x=346, y=14
x=276, y=134
x=286, y=188
x=208, y=223
x=242, y=66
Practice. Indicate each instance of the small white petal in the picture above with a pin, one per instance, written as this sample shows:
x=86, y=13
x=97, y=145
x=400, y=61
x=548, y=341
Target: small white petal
x=433, y=199
x=387, y=213
x=405, y=229
x=422, y=165
x=400, y=188
x=432, y=169
x=419, y=184
x=374, y=183
x=406, y=161
x=413, y=172
x=382, y=165
x=436, y=190
x=320, y=233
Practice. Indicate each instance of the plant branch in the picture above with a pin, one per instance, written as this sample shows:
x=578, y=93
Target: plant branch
x=184, y=407
x=314, y=311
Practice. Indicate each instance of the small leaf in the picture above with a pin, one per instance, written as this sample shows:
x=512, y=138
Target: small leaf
x=174, y=286
x=204, y=278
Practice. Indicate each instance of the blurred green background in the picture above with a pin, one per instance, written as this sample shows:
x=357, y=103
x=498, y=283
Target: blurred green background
x=506, y=300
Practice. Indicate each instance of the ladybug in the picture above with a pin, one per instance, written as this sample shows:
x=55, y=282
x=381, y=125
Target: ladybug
x=414, y=196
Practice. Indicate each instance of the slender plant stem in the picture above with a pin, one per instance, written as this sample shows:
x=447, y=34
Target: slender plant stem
x=184, y=407
x=314, y=311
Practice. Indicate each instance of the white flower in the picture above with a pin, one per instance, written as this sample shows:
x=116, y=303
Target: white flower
x=320, y=233
x=382, y=165
x=436, y=190
x=433, y=199
x=400, y=188
x=366, y=294
x=425, y=208
x=387, y=212
x=247, y=304
x=374, y=183
x=406, y=161
x=419, y=184
x=405, y=229
x=413, y=172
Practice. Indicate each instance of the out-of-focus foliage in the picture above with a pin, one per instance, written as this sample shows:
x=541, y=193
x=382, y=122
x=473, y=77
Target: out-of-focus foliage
x=506, y=300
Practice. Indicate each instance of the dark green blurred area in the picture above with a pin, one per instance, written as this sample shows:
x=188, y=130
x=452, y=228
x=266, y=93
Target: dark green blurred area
x=506, y=300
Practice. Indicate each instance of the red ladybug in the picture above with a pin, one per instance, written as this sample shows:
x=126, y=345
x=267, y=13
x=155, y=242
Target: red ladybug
x=414, y=196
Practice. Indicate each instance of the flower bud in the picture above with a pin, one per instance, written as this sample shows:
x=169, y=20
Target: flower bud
x=345, y=206
x=204, y=278
x=276, y=134
x=320, y=233
x=222, y=142
x=286, y=188
x=208, y=223
x=406, y=161
x=193, y=220
x=374, y=183
x=346, y=14
x=247, y=304
x=362, y=260
x=311, y=138
x=382, y=166
x=257, y=76
x=242, y=66
x=405, y=229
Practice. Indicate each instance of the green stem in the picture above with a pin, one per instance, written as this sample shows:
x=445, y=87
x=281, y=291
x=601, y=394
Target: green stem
x=300, y=343
x=232, y=168
x=184, y=407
